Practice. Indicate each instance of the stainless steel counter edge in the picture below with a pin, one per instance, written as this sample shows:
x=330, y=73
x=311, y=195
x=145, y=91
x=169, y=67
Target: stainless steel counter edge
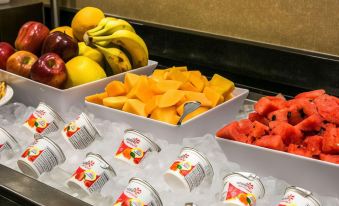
x=34, y=191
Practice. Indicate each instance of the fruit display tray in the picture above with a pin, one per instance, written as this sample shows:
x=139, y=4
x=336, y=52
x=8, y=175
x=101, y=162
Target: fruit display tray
x=31, y=92
x=318, y=176
x=207, y=122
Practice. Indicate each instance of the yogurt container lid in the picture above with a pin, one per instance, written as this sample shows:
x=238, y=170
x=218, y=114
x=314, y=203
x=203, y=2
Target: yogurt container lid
x=109, y=167
x=200, y=155
x=151, y=142
x=249, y=176
x=9, y=136
x=61, y=153
x=143, y=182
x=90, y=123
x=56, y=115
x=304, y=193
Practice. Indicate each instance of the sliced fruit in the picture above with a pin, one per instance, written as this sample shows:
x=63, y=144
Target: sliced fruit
x=299, y=150
x=287, y=132
x=238, y=131
x=311, y=94
x=115, y=88
x=311, y=123
x=330, y=158
x=115, y=102
x=314, y=144
x=328, y=108
x=170, y=98
x=135, y=106
x=163, y=86
x=215, y=97
x=167, y=114
x=225, y=86
x=195, y=113
x=158, y=74
x=197, y=96
x=271, y=142
x=152, y=104
x=331, y=141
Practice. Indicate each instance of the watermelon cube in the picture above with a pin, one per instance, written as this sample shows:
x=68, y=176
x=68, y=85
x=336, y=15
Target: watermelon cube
x=265, y=105
x=254, y=116
x=311, y=94
x=279, y=115
x=314, y=144
x=259, y=130
x=299, y=150
x=330, y=158
x=311, y=123
x=330, y=142
x=271, y=141
x=238, y=131
x=328, y=108
x=287, y=132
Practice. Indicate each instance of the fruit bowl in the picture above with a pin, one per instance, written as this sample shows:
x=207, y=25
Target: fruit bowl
x=31, y=93
x=208, y=122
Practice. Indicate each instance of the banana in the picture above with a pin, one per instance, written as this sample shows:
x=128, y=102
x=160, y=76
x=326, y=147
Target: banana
x=117, y=59
x=111, y=27
x=91, y=53
x=102, y=23
x=128, y=40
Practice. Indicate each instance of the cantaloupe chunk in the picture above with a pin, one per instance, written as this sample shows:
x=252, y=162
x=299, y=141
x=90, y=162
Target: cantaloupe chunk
x=130, y=80
x=204, y=78
x=215, y=97
x=229, y=96
x=115, y=102
x=115, y=88
x=134, y=106
x=180, y=69
x=170, y=98
x=188, y=86
x=195, y=113
x=164, y=85
x=221, y=84
x=196, y=80
x=158, y=74
x=178, y=76
x=200, y=97
x=167, y=114
x=94, y=99
x=152, y=104
x=141, y=90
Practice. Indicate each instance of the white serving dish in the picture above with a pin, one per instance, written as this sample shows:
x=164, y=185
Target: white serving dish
x=207, y=122
x=314, y=175
x=31, y=92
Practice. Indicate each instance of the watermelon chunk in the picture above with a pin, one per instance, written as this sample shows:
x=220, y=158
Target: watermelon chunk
x=331, y=141
x=288, y=133
x=313, y=144
x=330, y=158
x=311, y=94
x=271, y=142
x=311, y=123
x=254, y=116
x=328, y=108
x=299, y=150
x=268, y=104
x=279, y=115
x=259, y=130
x=238, y=131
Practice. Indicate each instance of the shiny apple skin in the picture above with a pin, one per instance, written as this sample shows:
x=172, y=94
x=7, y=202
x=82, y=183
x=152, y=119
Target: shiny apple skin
x=6, y=50
x=31, y=36
x=50, y=69
x=21, y=63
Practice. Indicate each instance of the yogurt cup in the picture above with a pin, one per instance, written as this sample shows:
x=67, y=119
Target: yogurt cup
x=41, y=156
x=135, y=146
x=299, y=197
x=91, y=175
x=242, y=189
x=139, y=192
x=44, y=120
x=80, y=132
x=7, y=141
x=189, y=170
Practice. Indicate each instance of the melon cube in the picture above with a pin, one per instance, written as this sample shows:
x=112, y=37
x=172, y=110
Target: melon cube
x=152, y=104
x=115, y=88
x=221, y=84
x=215, y=97
x=135, y=106
x=200, y=97
x=188, y=86
x=141, y=90
x=181, y=69
x=130, y=80
x=178, y=76
x=164, y=85
x=167, y=114
x=170, y=98
x=196, y=80
x=195, y=113
x=115, y=102
x=94, y=99
x=158, y=74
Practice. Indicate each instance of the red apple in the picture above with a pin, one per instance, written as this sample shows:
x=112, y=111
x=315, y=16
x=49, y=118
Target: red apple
x=31, y=37
x=50, y=69
x=21, y=62
x=6, y=50
x=61, y=44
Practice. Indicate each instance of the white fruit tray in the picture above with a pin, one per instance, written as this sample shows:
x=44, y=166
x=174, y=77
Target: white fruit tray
x=31, y=93
x=207, y=122
x=314, y=175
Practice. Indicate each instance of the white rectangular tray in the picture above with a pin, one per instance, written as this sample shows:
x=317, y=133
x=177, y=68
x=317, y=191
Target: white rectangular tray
x=208, y=122
x=314, y=175
x=31, y=93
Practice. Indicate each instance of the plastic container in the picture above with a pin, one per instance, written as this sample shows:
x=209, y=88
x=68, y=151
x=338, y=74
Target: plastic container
x=242, y=189
x=80, y=132
x=41, y=156
x=135, y=146
x=92, y=175
x=139, y=192
x=44, y=120
x=7, y=141
x=212, y=119
x=298, y=196
x=189, y=170
x=31, y=92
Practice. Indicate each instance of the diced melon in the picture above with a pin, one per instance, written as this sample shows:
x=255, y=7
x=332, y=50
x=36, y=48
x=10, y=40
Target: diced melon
x=178, y=76
x=221, y=84
x=204, y=78
x=115, y=102
x=115, y=88
x=181, y=68
x=94, y=99
x=200, y=97
x=164, y=85
x=229, y=96
x=135, y=106
x=167, y=114
x=141, y=90
x=130, y=80
x=215, y=97
x=180, y=109
x=195, y=113
x=196, y=80
x=170, y=98
x=152, y=104
x=158, y=74
x=183, y=100
x=188, y=86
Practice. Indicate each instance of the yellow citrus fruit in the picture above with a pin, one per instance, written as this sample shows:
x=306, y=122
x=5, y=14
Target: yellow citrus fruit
x=81, y=70
x=64, y=29
x=85, y=19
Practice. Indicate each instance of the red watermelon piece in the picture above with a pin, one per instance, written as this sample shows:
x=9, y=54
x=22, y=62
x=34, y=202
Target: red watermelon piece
x=330, y=158
x=268, y=104
x=279, y=115
x=311, y=94
x=328, y=108
x=331, y=141
x=238, y=131
x=287, y=132
x=271, y=142
x=254, y=116
x=299, y=150
x=314, y=144
x=311, y=123
x=259, y=130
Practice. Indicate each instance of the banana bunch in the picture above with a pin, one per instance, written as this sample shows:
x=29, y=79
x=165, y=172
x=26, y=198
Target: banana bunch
x=116, y=39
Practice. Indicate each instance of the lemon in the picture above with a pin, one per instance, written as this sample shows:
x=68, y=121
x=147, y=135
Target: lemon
x=86, y=19
x=93, y=54
x=64, y=29
x=81, y=70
